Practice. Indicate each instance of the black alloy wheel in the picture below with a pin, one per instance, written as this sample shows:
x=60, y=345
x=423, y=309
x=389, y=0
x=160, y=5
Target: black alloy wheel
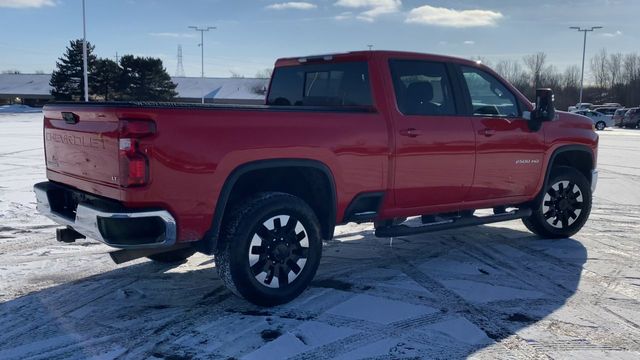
x=270, y=248
x=563, y=206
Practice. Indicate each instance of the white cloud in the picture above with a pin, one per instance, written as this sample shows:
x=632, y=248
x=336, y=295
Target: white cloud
x=172, y=35
x=469, y=42
x=292, y=5
x=617, y=33
x=372, y=8
x=344, y=16
x=437, y=16
x=26, y=3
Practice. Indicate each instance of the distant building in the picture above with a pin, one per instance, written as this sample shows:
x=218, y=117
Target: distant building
x=34, y=89
x=221, y=90
x=28, y=89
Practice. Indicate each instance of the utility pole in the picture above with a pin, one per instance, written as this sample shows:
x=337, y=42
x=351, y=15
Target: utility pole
x=202, y=30
x=85, y=72
x=584, y=50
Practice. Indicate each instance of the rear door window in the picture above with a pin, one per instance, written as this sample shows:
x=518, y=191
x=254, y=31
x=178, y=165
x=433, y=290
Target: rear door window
x=422, y=88
x=331, y=85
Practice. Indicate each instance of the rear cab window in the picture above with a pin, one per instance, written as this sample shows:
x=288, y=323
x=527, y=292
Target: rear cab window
x=322, y=85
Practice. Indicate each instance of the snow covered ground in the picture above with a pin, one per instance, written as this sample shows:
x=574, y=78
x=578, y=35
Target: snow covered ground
x=18, y=109
x=485, y=292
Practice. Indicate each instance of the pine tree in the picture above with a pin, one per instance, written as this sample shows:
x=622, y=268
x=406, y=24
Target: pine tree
x=105, y=80
x=67, y=80
x=145, y=79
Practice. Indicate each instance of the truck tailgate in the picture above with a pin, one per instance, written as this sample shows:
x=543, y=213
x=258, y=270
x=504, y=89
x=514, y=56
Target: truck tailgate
x=82, y=143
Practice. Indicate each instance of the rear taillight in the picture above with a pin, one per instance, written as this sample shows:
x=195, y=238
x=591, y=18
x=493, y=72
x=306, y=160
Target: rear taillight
x=134, y=164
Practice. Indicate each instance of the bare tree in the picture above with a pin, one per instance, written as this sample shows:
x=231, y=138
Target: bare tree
x=535, y=63
x=600, y=69
x=630, y=68
x=236, y=75
x=614, y=78
x=551, y=78
x=482, y=59
x=514, y=73
x=614, y=65
x=10, y=71
x=264, y=73
x=571, y=77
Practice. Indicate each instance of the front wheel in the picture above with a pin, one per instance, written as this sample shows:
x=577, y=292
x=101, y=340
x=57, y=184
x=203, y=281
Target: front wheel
x=563, y=207
x=270, y=250
x=600, y=125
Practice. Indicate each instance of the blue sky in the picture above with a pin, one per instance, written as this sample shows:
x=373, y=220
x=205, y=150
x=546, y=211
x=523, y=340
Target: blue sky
x=252, y=34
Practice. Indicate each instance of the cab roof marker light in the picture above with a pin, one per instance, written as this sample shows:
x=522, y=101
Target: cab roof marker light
x=327, y=57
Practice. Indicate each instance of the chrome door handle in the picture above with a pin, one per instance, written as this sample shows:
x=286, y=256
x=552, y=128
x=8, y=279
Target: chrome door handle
x=488, y=132
x=411, y=132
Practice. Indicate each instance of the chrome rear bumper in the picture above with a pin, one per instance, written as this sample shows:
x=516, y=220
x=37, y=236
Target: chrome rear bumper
x=102, y=225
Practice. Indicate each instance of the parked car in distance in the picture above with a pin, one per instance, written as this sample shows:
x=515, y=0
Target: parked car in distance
x=631, y=118
x=614, y=105
x=618, y=116
x=580, y=106
x=600, y=120
x=606, y=110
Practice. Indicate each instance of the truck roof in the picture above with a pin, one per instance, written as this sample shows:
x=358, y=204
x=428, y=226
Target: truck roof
x=371, y=54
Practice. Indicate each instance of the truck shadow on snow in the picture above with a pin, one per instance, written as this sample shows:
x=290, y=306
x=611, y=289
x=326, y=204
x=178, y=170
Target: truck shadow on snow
x=443, y=295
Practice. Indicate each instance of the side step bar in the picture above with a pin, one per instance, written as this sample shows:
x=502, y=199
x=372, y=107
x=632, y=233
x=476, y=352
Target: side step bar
x=125, y=255
x=404, y=230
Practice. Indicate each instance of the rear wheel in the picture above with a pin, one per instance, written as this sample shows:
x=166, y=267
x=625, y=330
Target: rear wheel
x=270, y=250
x=600, y=125
x=563, y=207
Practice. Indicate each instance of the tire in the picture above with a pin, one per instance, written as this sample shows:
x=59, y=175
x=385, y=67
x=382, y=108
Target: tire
x=600, y=125
x=284, y=269
x=563, y=207
x=638, y=124
x=173, y=257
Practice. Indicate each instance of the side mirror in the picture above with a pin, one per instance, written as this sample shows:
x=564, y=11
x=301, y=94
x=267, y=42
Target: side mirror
x=545, y=109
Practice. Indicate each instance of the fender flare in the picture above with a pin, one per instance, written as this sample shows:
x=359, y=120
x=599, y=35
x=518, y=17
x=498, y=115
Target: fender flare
x=210, y=242
x=560, y=150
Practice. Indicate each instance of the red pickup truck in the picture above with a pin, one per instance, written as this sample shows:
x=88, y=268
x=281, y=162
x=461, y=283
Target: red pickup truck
x=371, y=136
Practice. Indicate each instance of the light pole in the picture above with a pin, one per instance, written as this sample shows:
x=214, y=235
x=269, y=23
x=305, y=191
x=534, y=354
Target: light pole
x=84, y=54
x=202, y=30
x=584, y=50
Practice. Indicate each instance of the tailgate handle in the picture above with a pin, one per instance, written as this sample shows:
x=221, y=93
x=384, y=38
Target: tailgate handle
x=70, y=118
